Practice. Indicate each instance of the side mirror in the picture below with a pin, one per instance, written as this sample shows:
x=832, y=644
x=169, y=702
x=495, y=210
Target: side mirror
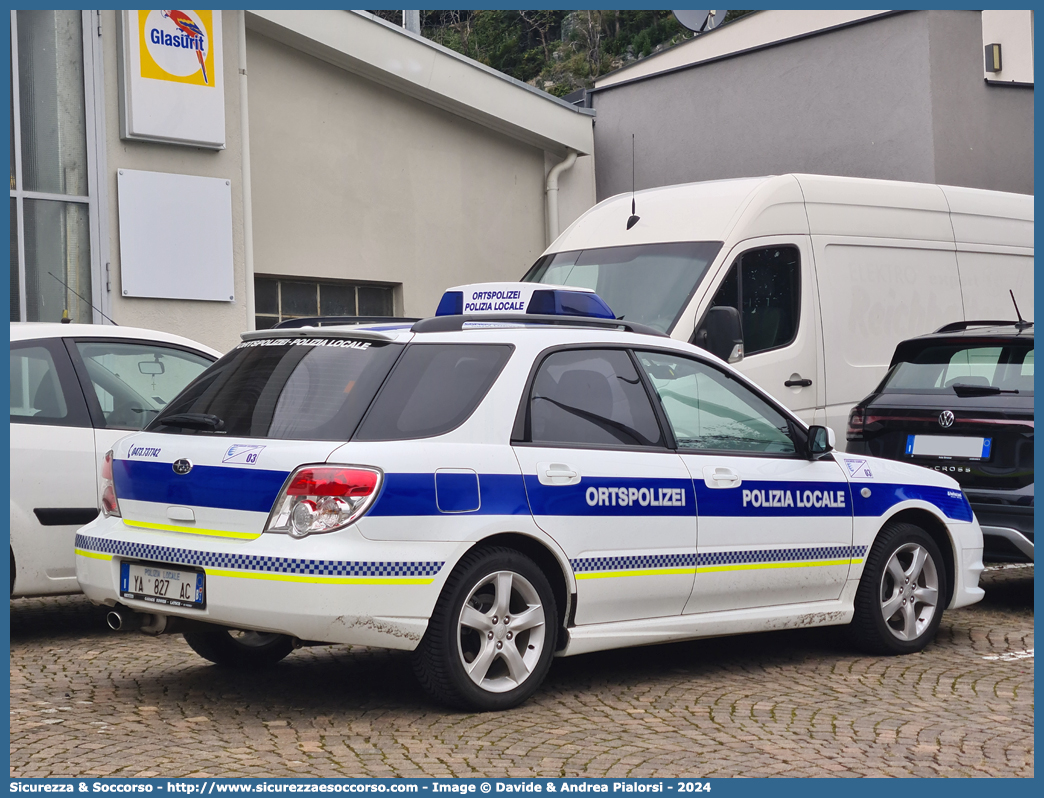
x=820, y=441
x=721, y=334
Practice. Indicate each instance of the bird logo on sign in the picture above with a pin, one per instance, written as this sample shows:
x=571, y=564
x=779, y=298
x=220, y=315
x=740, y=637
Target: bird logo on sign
x=185, y=24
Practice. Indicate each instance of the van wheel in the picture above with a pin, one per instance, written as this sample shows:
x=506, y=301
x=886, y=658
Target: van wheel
x=898, y=605
x=239, y=649
x=490, y=640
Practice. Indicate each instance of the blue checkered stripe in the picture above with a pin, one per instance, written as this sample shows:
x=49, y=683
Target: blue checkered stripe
x=779, y=555
x=248, y=562
x=658, y=561
x=636, y=563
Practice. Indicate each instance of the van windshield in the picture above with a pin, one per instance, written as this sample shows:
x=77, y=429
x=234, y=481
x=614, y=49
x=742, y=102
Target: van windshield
x=646, y=283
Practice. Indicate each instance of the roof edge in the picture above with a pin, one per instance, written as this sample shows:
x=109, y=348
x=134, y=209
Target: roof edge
x=364, y=45
x=710, y=59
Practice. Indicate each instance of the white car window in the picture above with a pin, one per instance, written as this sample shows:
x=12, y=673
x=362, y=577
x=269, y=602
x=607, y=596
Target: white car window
x=591, y=398
x=709, y=411
x=134, y=381
x=35, y=390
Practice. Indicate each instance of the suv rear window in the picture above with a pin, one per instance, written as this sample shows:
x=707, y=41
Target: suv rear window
x=988, y=366
x=433, y=389
x=289, y=388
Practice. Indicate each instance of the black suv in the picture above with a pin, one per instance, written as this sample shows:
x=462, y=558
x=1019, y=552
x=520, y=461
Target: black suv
x=960, y=400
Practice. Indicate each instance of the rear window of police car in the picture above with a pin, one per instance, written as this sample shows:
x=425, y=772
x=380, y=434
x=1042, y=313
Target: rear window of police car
x=320, y=389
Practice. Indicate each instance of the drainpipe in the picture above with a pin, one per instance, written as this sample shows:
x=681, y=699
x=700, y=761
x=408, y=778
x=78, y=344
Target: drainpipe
x=244, y=137
x=552, y=194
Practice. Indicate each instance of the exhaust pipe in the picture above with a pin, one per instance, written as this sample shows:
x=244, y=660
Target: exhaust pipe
x=122, y=619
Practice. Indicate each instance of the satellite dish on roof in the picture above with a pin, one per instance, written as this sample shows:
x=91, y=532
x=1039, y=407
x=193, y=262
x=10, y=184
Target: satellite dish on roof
x=700, y=21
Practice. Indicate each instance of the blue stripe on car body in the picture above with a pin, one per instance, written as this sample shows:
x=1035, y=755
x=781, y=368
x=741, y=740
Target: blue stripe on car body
x=413, y=494
x=951, y=502
x=250, y=489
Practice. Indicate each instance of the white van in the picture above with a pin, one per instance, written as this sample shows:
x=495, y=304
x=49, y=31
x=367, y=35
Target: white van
x=826, y=274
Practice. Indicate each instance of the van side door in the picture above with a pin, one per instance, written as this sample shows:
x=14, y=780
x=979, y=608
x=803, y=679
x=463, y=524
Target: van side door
x=770, y=281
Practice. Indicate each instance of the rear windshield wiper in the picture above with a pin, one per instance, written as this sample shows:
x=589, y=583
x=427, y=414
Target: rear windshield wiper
x=978, y=390
x=193, y=421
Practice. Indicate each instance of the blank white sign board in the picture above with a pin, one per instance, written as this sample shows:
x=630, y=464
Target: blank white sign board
x=175, y=236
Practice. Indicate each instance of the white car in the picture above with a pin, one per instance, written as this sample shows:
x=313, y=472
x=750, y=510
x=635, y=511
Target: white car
x=500, y=484
x=75, y=390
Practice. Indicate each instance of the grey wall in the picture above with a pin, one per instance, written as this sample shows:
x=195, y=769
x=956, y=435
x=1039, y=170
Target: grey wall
x=354, y=181
x=983, y=133
x=891, y=98
x=216, y=324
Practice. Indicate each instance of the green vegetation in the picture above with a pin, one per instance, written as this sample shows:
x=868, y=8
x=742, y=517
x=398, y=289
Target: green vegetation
x=557, y=51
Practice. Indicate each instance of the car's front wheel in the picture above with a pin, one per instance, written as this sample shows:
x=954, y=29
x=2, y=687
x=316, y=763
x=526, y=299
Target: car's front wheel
x=239, y=649
x=900, y=599
x=491, y=638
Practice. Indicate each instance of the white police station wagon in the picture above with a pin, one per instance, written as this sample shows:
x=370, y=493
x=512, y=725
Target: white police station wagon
x=517, y=477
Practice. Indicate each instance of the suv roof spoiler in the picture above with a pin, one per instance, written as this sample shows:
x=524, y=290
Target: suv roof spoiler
x=957, y=326
x=488, y=320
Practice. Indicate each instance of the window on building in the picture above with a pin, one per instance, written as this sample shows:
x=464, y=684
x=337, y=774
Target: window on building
x=277, y=299
x=53, y=207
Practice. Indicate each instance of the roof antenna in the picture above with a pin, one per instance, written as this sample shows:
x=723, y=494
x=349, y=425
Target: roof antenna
x=631, y=222
x=1021, y=324
x=65, y=313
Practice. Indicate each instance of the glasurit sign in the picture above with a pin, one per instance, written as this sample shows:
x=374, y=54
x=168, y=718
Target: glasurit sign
x=171, y=81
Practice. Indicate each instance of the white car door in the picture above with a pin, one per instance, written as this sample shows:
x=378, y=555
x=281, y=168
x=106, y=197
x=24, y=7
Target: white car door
x=128, y=381
x=774, y=527
x=601, y=481
x=53, y=475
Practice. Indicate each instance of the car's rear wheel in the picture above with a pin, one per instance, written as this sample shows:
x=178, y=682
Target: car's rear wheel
x=900, y=599
x=239, y=649
x=491, y=638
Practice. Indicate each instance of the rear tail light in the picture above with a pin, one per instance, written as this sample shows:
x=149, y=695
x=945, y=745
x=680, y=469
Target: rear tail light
x=320, y=499
x=110, y=505
x=855, y=424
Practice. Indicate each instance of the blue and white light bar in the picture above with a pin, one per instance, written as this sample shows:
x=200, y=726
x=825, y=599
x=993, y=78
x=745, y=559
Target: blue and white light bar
x=481, y=299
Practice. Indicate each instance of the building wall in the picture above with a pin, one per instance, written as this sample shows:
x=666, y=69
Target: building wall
x=983, y=133
x=354, y=181
x=890, y=98
x=217, y=324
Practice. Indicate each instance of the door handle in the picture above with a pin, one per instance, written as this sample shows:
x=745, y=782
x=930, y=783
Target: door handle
x=557, y=474
x=721, y=477
x=797, y=381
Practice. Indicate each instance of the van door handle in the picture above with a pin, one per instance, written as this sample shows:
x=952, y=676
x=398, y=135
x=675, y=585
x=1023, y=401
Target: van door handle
x=721, y=477
x=797, y=381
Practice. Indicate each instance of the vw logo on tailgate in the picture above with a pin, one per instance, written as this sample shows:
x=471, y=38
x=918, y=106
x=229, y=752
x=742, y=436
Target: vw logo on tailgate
x=183, y=466
x=945, y=420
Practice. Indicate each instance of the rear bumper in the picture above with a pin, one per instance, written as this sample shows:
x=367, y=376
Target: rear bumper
x=336, y=588
x=1007, y=531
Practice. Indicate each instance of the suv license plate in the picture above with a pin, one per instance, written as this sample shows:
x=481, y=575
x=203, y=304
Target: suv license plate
x=170, y=585
x=949, y=447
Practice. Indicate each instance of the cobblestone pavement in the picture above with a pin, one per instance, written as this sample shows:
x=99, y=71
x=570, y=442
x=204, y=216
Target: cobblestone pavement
x=89, y=702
